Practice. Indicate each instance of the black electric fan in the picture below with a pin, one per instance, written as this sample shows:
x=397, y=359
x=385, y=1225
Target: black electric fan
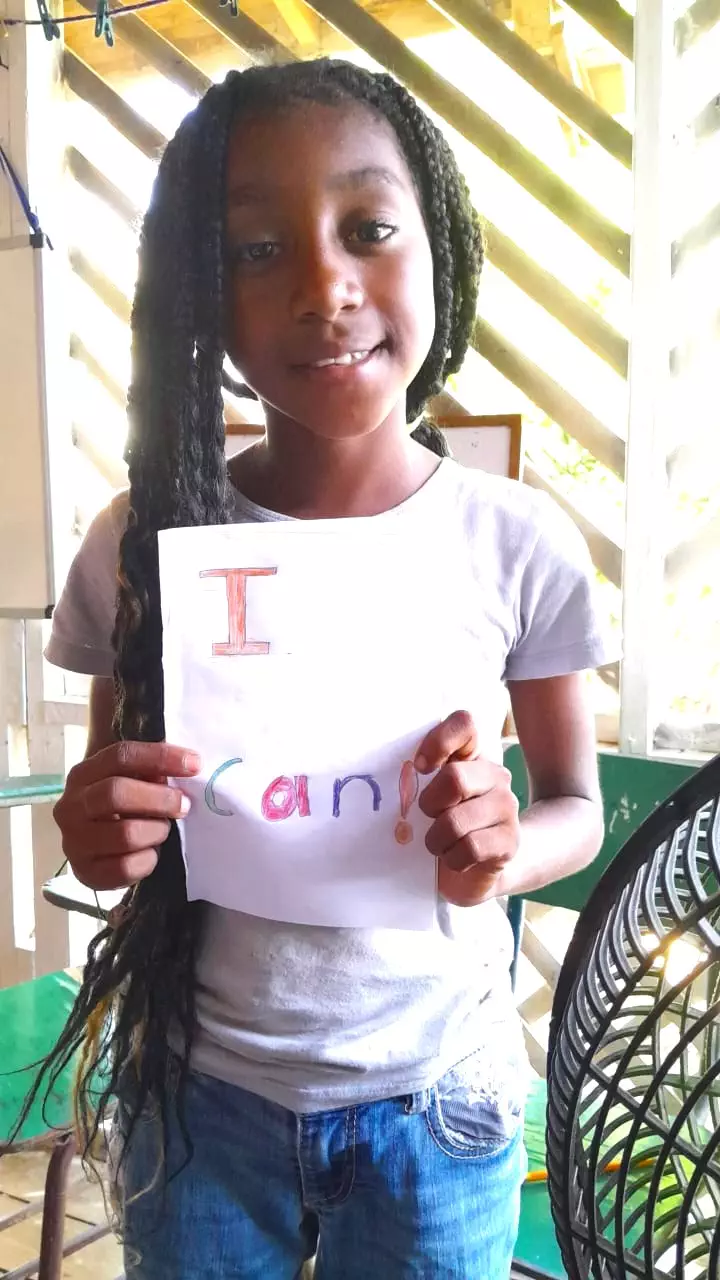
x=633, y=1138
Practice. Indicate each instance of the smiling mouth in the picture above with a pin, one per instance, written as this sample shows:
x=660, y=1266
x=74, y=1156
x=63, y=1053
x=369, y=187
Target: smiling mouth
x=347, y=360
x=352, y=357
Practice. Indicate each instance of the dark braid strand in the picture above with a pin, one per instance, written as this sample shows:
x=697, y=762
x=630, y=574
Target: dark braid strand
x=139, y=981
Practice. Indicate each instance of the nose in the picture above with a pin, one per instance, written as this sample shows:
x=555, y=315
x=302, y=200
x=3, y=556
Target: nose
x=326, y=283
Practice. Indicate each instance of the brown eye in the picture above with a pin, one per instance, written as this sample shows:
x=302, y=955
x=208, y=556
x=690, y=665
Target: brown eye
x=258, y=251
x=373, y=231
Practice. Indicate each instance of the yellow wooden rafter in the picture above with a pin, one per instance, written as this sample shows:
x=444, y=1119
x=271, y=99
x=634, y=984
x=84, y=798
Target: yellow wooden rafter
x=298, y=20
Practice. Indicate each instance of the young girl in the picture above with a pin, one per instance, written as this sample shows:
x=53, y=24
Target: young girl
x=289, y=1091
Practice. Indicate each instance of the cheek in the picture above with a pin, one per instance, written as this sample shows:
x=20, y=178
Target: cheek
x=419, y=308
x=247, y=327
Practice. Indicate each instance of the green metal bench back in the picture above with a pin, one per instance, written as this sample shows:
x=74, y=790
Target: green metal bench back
x=632, y=787
x=32, y=1015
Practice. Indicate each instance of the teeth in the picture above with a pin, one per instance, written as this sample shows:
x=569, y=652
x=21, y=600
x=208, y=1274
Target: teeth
x=351, y=358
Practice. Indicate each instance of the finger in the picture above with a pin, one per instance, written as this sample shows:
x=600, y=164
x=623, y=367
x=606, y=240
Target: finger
x=489, y=850
x=148, y=760
x=455, y=738
x=115, y=839
x=462, y=820
x=459, y=781
x=128, y=797
x=118, y=873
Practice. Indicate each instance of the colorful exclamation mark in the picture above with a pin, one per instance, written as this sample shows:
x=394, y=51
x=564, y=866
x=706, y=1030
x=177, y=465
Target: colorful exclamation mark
x=409, y=786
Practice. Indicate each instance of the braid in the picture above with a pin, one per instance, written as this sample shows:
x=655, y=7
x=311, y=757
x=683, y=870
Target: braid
x=139, y=980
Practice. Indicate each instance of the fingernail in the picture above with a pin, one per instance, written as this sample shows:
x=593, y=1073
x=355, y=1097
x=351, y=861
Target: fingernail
x=184, y=805
x=191, y=762
x=421, y=764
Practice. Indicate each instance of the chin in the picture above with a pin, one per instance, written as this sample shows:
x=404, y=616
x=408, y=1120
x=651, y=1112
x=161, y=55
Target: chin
x=338, y=421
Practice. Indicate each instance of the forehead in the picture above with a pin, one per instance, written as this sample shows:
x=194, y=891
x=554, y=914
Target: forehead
x=286, y=148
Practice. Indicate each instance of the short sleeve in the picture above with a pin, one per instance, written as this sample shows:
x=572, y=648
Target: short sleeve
x=559, y=628
x=84, y=617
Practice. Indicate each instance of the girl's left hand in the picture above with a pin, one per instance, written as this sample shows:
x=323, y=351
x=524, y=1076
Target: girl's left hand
x=476, y=831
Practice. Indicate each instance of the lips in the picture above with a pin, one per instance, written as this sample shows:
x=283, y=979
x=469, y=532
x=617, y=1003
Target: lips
x=334, y=357
x=351, y=357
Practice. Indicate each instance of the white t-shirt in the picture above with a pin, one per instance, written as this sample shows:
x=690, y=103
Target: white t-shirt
x=314, y=1018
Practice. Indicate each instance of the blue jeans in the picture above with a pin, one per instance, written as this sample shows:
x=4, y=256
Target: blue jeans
x=426, y=1185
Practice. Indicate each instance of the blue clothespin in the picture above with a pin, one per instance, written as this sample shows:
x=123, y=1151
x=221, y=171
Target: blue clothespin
x=49, y=25
x=103, y=23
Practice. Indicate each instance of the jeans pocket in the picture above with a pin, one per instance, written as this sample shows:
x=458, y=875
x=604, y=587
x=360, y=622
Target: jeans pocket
x=471, y=1114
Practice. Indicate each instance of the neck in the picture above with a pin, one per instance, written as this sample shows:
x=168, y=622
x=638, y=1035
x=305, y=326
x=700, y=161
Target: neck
x=300, y=474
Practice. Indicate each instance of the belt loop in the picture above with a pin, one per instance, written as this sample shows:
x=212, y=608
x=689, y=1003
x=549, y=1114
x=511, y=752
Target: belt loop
x=417, y=1103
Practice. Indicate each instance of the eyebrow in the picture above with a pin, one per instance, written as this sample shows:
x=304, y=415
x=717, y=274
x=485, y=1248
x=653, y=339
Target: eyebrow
x=350, y=180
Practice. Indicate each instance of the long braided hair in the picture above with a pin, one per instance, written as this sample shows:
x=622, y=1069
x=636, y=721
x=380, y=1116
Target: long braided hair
x=139, y=980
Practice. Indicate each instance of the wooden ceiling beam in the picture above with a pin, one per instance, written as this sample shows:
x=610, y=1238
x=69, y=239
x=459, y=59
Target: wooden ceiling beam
x=92, y=89
x=537, y=71
x=93, y=181
x=243, y=32
x=562, y=407
x=480, y=129
x=297, y=19
x=606, y=554
x=78, y=351
x=160, y=53
x=104, y=288
x=700, y=18
x=609, y=18
x=559, y=301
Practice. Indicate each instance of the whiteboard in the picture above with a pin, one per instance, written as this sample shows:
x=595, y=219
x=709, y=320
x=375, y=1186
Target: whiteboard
x=488, y=448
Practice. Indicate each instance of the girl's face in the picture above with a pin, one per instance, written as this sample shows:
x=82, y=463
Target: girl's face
x=330, y=305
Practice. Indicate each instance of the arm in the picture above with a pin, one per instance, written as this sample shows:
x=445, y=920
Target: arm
x=561, y=831
x=100, y=716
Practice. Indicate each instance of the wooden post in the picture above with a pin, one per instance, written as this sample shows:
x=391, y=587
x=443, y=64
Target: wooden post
x=15, y=963
x=649, y=375
x=35, y=518
x=46, y=749
x=36, y=499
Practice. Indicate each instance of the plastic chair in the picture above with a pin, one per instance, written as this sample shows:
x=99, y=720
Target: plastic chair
x=632, y=788
x=634, y=1062
x=32, y=1016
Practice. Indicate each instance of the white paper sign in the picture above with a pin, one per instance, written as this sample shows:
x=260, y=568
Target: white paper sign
x=305, y=663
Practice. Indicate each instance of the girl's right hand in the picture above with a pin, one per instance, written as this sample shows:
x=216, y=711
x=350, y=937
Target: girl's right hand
x=116, y=810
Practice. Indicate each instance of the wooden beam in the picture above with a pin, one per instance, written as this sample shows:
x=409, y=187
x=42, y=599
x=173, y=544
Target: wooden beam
x=610, y=675
x=559, y=404
x=78, y=351
x=478, y=127
x=643, y=674
x=481, y=23
x=83, y=81
x=610, y=19
x=540, y=956
x=688, y=556
x=559, y=301
x=697, y=237
x=108, y=293
x=112, y=469
x=158, y=52
x=295, y=16
x=243, y=32
x=606, y=554
x=95, y=182
x=700, y=18
x=707, y=122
